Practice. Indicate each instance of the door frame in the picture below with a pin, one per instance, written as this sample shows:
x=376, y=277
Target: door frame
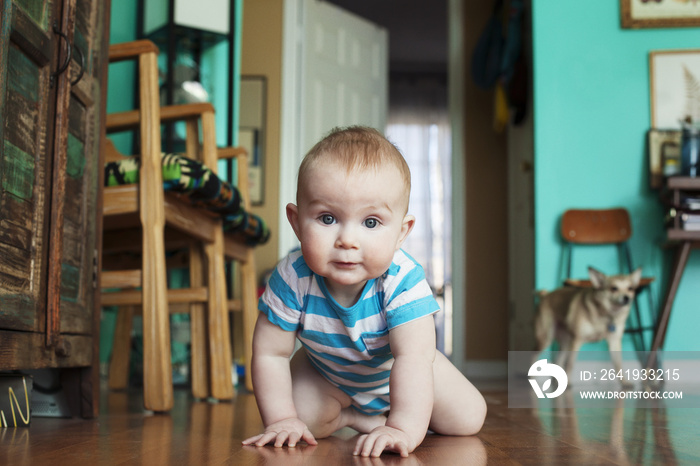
x=456, y=76
x=290, y=134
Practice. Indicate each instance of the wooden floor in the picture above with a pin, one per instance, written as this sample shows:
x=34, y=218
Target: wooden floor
x=200, y=433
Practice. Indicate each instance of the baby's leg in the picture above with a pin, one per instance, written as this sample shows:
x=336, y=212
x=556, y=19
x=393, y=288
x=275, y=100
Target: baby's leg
x=459, y=408
x=323, y=407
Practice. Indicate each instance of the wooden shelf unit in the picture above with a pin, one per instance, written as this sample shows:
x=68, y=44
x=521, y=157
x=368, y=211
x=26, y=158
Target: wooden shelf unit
x=683, y=241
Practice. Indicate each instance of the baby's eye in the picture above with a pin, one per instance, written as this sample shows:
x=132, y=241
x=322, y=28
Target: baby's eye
x=327, y=219
x=371, y=222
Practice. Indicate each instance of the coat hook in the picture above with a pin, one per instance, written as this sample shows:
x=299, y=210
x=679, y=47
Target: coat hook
x=65, y=64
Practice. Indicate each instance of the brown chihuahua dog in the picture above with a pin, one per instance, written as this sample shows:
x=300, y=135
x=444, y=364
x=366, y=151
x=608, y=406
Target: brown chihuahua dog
x=574, y=316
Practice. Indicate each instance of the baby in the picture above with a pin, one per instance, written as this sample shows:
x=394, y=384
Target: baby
x=362, y=310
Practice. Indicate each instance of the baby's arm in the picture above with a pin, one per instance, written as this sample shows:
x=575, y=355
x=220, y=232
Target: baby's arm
x=272, y=380
x=411, y=388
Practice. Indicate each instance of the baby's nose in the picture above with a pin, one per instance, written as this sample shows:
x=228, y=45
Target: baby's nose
x=347, y=238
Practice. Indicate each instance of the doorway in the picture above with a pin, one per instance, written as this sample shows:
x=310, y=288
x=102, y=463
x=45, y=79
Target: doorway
x=418, y=122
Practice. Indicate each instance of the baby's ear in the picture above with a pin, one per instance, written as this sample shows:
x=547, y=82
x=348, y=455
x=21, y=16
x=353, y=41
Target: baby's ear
x=406, y=227
x=293, y=217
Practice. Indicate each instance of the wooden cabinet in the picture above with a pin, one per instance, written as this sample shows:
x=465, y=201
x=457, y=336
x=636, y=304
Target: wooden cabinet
x=52, y=58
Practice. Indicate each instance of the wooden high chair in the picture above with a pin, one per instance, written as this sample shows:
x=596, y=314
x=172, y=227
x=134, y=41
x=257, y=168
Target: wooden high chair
x=141, y=218
x=581, y=227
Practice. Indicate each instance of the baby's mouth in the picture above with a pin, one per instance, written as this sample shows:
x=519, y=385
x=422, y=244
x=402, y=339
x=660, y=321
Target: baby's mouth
x=345, y=265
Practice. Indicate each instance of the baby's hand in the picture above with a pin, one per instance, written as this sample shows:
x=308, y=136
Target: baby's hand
x=381, y=439
x=288, y=431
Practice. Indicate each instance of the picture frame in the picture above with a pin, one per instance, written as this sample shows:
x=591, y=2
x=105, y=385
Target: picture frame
x=674, y=81
x=662, y=143
x=636, y=14
x=252, y=132
x=249, y=139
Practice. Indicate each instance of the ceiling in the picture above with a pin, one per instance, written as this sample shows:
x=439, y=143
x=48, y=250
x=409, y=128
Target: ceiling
x=417, y=31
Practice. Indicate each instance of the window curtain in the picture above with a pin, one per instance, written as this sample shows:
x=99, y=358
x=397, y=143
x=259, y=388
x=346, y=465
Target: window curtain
x=418, y=125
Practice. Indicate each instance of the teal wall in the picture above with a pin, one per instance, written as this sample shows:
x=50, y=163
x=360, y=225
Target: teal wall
x=591, y=106
x=120, y=81
x=214, y=71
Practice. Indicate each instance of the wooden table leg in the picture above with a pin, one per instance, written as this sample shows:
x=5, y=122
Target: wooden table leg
x=681, y=260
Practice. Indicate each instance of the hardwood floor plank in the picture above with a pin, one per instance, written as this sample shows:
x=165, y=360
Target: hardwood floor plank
x=201, y=433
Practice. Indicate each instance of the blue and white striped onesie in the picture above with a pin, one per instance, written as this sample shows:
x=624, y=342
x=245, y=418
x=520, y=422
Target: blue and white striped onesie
x=349, y=346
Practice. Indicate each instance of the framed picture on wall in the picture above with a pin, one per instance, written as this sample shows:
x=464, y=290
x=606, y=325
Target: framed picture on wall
x=659, y=13
x=674, y=78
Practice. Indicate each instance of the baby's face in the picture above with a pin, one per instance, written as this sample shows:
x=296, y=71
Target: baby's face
x=350, y=224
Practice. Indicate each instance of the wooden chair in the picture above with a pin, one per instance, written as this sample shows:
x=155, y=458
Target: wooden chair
x=581, y=227
x=238, y=251
x=142, y=217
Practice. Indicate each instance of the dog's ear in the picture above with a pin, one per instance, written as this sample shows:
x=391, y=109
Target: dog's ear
x=636, y=276
x=597, y=277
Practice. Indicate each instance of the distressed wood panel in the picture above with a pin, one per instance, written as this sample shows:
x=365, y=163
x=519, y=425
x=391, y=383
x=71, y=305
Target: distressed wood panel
x=26, y=113
x=77, y=123
x=38, y=11
x=83, y=168
x=85, y=37
x=75, y=239
x=23, y=75
x=75, y=317
x=12, y=209
x=21, y=350
x=14, y=235
x=15, y=270
x=86, y=19
x=70, y=282
x=34, y=40
x=17, y=172
x=22, y=130
x=75, y=166
x=72, y=246
x=27, y=320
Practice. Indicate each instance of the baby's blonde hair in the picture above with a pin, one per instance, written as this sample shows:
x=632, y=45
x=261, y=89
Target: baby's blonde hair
x=355, y=148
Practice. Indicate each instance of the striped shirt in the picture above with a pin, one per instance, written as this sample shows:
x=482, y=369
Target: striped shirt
x=349, y=346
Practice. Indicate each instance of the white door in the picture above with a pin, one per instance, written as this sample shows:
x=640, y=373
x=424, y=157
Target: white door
x=335, y=73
